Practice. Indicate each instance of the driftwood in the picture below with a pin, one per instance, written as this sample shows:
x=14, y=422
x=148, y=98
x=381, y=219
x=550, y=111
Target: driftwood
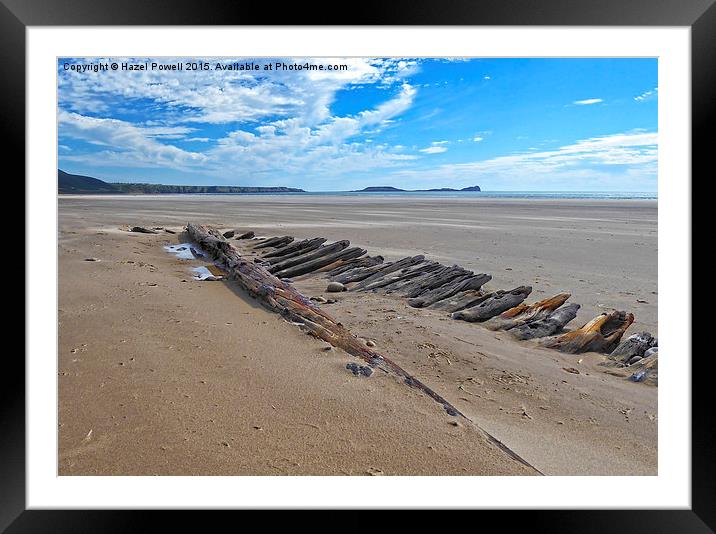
x=469, y=282
x=496, y=304
x=296, y=246
x=342, y=266
x=317, y=263
x=526, y=313
x=633, y=348
x=286, y=300
x=387, y=269
x=548, y=326
x=283, y=254
x=462, y=300
x=308, y=256
x=601, y=334
x=275, y=242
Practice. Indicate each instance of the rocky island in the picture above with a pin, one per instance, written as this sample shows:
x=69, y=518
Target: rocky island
x=390, y=189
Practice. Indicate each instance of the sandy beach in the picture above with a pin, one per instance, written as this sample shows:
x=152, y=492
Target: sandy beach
x=162, y=374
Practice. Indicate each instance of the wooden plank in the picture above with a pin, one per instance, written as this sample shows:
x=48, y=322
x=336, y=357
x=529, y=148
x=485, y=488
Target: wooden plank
x=410, y=273
x=462, y=283
x=500, y=301
x=462, y=300
x=342, y=266
x=274, y=242
x=317, y=263
x=308, y=256
x=296, y=246
x=360, y=273
x=432, y=280
x=524, y=313
x=548, y=326
x=601, y=334
x=308, y=247
x=387, y=269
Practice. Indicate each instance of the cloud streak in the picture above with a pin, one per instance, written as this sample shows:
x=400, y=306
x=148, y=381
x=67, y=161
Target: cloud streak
x=588, y=102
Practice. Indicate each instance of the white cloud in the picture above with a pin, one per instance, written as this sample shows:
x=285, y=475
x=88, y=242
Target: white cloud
x=125, y=142
x=593, y=160
x=288, y=146
x=228, y=96
x=297, y=133
x=434, y=149
x=477, y=139
x=587, y=102
x=647, y=95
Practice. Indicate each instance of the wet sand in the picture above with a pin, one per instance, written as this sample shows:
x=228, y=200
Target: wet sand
x=187, y=377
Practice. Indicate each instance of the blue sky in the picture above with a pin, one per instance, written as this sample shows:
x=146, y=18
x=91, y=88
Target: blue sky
x=502, y=124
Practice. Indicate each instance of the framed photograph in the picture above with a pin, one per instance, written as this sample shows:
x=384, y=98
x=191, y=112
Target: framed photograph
x=413, y=260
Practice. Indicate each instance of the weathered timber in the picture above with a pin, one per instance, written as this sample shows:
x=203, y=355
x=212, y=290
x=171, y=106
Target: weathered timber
x=409, y=273
x=601, y=334
x=387, y=269
x=359, y=273
x=305, y=249
x=526, y=313
x=143, y=230
x=496, y=304
x=308, y=256
x=646, y=370
x=548, y=326
x=433, y=280
x=342, y=266
x=317, y=263
x=635, y=345
x=398, y=286
x=286, y=300
x=462, y=300
x=296, y=246
x=463, y=283
x=275, y=242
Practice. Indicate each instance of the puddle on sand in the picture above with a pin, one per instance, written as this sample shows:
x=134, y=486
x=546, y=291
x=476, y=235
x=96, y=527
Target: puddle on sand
x=202, y=273
x=189, y=251
x=183, y=251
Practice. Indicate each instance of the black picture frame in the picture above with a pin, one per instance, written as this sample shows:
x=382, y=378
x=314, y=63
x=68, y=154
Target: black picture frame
x=699, y=15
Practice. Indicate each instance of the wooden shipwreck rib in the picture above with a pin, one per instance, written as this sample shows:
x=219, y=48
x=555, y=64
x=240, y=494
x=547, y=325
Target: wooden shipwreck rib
x=601, y=334
x=548, y=326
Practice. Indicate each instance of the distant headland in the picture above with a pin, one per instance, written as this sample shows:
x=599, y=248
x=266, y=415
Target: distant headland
x=388, y=189
x=74, y=184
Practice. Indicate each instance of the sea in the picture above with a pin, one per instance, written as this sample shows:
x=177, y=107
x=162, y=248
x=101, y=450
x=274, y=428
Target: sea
x=590, y=195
